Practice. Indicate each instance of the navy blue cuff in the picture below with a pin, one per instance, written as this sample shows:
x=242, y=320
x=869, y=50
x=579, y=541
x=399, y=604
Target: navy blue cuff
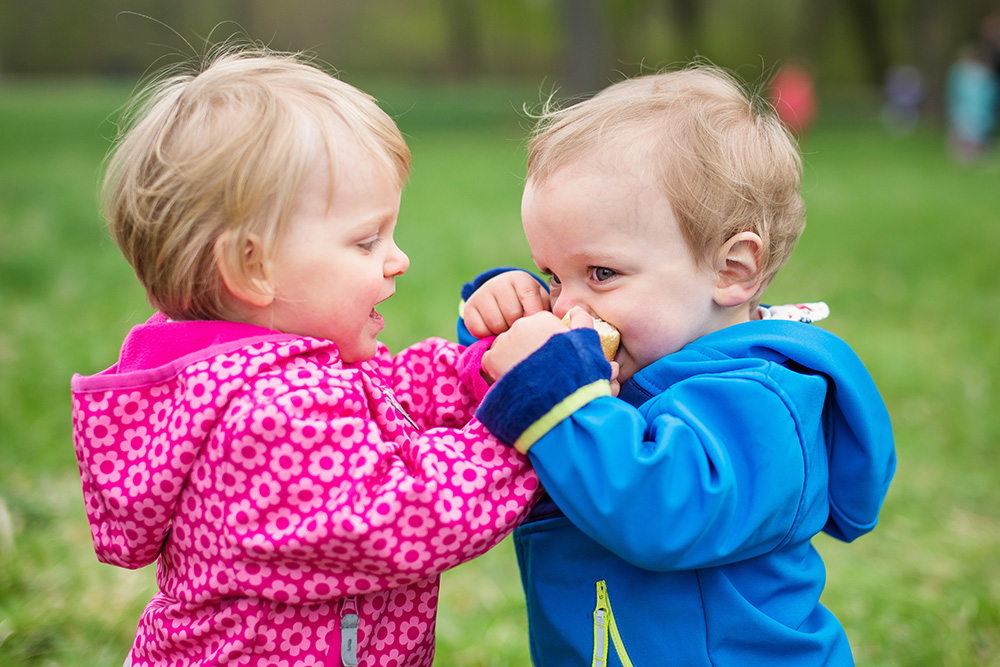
x=531, y=389
x=464, y=337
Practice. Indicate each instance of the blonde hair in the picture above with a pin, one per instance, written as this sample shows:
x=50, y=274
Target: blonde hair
x=221, y=150
x=724, y=160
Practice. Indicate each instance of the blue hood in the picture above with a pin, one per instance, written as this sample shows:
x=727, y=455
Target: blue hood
x=858, y=431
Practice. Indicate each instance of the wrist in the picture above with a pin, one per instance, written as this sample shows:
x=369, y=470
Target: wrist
x=567, y=372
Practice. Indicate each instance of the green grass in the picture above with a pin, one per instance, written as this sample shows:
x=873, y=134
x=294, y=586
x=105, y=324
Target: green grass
x=901, y=242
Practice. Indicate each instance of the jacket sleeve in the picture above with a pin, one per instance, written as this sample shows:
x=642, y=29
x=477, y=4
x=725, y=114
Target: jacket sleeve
x=436, y=381
x=346, y=496
x=684, y=484
x=428, y=382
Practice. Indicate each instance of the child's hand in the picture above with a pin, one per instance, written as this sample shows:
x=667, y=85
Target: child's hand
x=578, y=317
x=524, y=337
x=502, y=300
x=616, y=386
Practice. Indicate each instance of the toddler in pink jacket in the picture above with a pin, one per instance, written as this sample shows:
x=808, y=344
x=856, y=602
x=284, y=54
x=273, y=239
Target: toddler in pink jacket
x=299, y=488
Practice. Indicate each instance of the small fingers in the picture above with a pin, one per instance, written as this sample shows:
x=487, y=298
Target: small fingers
x=503, y=300
x=509, y=305
x=578, y=318
x=521, y=297
x=615, y=384
x=524, y=338
x=494, y=318
x=483, y=316
x=475, y=324
x=533, y=297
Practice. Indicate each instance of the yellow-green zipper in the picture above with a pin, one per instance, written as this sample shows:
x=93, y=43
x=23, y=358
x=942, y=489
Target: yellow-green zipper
x=604, y=622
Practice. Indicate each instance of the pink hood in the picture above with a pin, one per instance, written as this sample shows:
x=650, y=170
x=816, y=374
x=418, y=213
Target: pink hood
x=126, y=436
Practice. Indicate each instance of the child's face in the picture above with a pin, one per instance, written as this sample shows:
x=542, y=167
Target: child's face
x=610, y=243
x=337, y=258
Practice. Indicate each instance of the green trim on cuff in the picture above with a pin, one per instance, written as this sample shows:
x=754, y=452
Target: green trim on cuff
x=560, y=411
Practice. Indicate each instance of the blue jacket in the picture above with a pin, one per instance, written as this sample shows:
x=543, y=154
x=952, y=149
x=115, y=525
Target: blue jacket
x=679, y=525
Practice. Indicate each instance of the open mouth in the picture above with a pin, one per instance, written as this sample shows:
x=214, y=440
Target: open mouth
x=375, y=315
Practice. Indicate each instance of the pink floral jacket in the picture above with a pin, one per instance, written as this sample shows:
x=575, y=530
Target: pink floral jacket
x=300, y=509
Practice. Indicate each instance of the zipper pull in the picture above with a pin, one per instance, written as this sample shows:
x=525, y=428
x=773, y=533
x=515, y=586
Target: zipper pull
x=601, y=627
x=399, y=408
x=349, y=632
x=604, y=624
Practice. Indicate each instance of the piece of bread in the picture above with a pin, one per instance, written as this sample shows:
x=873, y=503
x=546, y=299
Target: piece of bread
x=610, y=338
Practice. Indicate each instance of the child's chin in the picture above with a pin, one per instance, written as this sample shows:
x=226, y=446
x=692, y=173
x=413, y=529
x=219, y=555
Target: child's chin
x=359, y=352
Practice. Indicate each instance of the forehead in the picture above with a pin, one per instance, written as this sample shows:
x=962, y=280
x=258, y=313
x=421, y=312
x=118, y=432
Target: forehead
x=350, y=143
x=596, y=215
x=609, y=196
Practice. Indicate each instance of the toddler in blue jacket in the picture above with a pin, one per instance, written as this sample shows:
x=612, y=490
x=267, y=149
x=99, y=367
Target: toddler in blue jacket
x=681, y=512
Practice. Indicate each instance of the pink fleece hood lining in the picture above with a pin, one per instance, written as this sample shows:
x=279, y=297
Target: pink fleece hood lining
x=177, y=345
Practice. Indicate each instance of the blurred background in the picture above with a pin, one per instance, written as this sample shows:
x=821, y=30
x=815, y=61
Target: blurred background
x=575, y=43
x=894, y=103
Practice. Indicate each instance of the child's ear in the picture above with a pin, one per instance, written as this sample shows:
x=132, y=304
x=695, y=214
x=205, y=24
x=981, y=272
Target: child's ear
x=736, y=265
x=254, y=286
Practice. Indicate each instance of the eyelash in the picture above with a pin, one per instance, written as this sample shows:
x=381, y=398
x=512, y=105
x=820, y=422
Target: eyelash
x=554, y=279
x=368, y=246
x=594, y=271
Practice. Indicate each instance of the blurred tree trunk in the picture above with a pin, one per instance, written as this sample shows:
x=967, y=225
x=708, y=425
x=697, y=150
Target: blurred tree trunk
x=586, y=51
x=687, y=14
x=811, y=33
x=930, y=40
x=464, y=37
x=869, y=27
x=867, y=17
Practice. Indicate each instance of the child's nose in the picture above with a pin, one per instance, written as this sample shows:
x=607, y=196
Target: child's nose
x=565, y=303
x=396, y=263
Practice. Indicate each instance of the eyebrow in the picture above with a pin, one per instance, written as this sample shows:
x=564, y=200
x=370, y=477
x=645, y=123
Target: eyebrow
x=376, y=221
x=600, y=256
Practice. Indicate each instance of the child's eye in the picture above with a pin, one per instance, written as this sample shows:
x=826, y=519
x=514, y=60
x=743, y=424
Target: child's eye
x=370, y=244
x=554, y=279
x=601, y=274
